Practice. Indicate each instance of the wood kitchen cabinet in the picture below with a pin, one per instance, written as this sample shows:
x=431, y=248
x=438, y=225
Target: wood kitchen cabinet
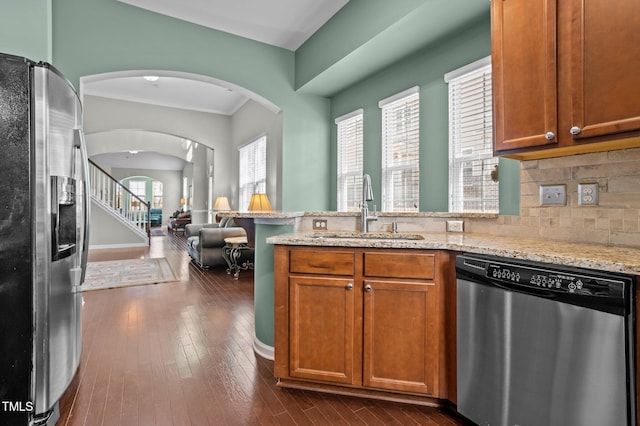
x=323, y=331
x=365, y=319
x=400, y=342
x=565, y=76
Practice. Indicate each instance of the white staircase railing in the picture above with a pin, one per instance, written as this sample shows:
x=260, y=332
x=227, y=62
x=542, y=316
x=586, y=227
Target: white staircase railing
x=116, y=197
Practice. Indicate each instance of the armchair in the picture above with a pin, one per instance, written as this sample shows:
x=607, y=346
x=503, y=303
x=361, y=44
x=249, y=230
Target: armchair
x=178, y=221
x=205, y=242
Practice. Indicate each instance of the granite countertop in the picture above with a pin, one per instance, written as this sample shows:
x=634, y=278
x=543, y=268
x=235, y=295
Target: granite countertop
x=405, y=214
x=267, y=214
x=274, y=214
x=592, y=256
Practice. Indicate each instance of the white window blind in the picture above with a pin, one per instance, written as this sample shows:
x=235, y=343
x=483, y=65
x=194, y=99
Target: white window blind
x=350, y=139
x=400, y=151
x=253, y=171
x=471, y=161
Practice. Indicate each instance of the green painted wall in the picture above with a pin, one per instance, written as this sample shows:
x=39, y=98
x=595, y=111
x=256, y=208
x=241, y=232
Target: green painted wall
x=425, y=68
x=357, y=22
x=25, y=28
x=87, y=37
x=509, y=187
x=263, y=287
x=98, y=36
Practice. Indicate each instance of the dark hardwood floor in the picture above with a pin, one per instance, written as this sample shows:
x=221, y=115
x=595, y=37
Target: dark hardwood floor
x=181, y=354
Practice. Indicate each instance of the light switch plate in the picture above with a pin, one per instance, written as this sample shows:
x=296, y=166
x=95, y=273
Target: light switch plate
x=553, y=195
x=587, y=194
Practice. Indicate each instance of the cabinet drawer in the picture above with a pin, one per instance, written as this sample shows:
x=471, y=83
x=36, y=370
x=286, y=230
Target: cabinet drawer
x=399, y=265
x=326, y=262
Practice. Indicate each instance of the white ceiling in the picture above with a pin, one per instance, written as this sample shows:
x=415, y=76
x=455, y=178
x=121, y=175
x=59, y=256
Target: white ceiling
x=283, y=23
x=169, y=90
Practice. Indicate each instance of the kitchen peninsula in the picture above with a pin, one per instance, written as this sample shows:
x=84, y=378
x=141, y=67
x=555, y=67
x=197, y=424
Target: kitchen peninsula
x=349, y=305
x=296, y=228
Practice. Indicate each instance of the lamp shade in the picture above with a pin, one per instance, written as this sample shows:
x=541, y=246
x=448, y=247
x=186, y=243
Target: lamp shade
x=182, y=201
x=221, y=204
x=259, y=202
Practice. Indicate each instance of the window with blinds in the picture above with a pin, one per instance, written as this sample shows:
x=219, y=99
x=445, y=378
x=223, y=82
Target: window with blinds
x=253, y=171
x=350, y=140
x=400, y=151
x=471, y=160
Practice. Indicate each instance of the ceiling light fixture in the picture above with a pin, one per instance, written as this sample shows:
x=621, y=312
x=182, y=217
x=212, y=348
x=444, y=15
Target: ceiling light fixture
x=151, y=77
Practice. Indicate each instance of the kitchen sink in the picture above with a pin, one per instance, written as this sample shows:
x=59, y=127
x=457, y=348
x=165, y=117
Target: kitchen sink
x=367, y=235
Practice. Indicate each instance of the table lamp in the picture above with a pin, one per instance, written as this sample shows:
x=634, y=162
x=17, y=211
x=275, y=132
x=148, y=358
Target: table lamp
x=259, y=202
x=221, y=204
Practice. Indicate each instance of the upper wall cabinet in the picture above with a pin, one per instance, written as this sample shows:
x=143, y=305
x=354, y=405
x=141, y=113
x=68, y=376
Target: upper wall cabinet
x=565, y=76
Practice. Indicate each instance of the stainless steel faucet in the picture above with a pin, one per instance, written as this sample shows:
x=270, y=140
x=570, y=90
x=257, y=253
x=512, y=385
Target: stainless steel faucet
x=367, y=195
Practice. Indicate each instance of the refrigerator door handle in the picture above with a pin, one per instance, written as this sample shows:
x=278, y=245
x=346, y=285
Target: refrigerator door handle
x=77, y=276
x=86, y=199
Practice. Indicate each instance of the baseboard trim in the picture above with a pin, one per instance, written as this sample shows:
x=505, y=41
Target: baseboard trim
x=265, y=351
x=117, y=246
x=381, y=395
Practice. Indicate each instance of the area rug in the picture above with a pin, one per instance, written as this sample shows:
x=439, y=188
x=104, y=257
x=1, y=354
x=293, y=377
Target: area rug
x=158, y=232
x=129, y=272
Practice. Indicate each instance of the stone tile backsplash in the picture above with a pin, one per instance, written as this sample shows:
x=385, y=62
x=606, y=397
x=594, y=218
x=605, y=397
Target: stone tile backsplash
x=614, y=221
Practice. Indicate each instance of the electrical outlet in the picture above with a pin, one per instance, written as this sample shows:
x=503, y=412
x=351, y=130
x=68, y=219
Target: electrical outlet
x=587, y=194
x=455, y=226
x=553, y=195
x=319, y=224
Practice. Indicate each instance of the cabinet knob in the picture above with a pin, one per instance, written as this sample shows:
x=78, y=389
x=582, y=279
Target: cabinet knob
x=550, y=136
x=367, y=288
x=349, y=286
x=575, y=130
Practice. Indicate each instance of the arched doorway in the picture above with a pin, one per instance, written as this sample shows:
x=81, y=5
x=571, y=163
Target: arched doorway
x=124, y=112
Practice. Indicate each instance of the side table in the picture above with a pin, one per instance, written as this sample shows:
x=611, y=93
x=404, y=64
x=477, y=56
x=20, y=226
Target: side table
x=233, y=248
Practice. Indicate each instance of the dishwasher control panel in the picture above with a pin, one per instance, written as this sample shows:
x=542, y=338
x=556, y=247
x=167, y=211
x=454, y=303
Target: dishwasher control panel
x=553, y=280
x=601, y=290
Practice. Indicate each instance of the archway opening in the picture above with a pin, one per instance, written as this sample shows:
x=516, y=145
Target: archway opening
x=134, y=124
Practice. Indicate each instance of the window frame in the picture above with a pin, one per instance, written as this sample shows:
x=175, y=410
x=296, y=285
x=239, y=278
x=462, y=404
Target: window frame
x=157, y=194
x=459, y=187
x=398, y=105
x=350, y=171
x=134, y=186
x=254, y=154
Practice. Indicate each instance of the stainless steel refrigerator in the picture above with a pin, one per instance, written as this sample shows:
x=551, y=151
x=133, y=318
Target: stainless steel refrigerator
x=43, y=238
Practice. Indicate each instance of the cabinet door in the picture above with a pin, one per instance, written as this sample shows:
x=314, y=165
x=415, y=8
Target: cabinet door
x=323, y=329
x=524, y=73
x=401, y=344
x=605, y=68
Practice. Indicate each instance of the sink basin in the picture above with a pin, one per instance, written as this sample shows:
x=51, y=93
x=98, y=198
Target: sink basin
x=367, y=235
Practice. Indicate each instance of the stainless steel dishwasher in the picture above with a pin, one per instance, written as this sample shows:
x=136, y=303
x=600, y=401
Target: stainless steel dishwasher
x=544, y=345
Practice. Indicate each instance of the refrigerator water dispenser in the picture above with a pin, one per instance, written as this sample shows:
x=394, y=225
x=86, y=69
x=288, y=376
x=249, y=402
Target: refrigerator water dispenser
x=63, y=217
